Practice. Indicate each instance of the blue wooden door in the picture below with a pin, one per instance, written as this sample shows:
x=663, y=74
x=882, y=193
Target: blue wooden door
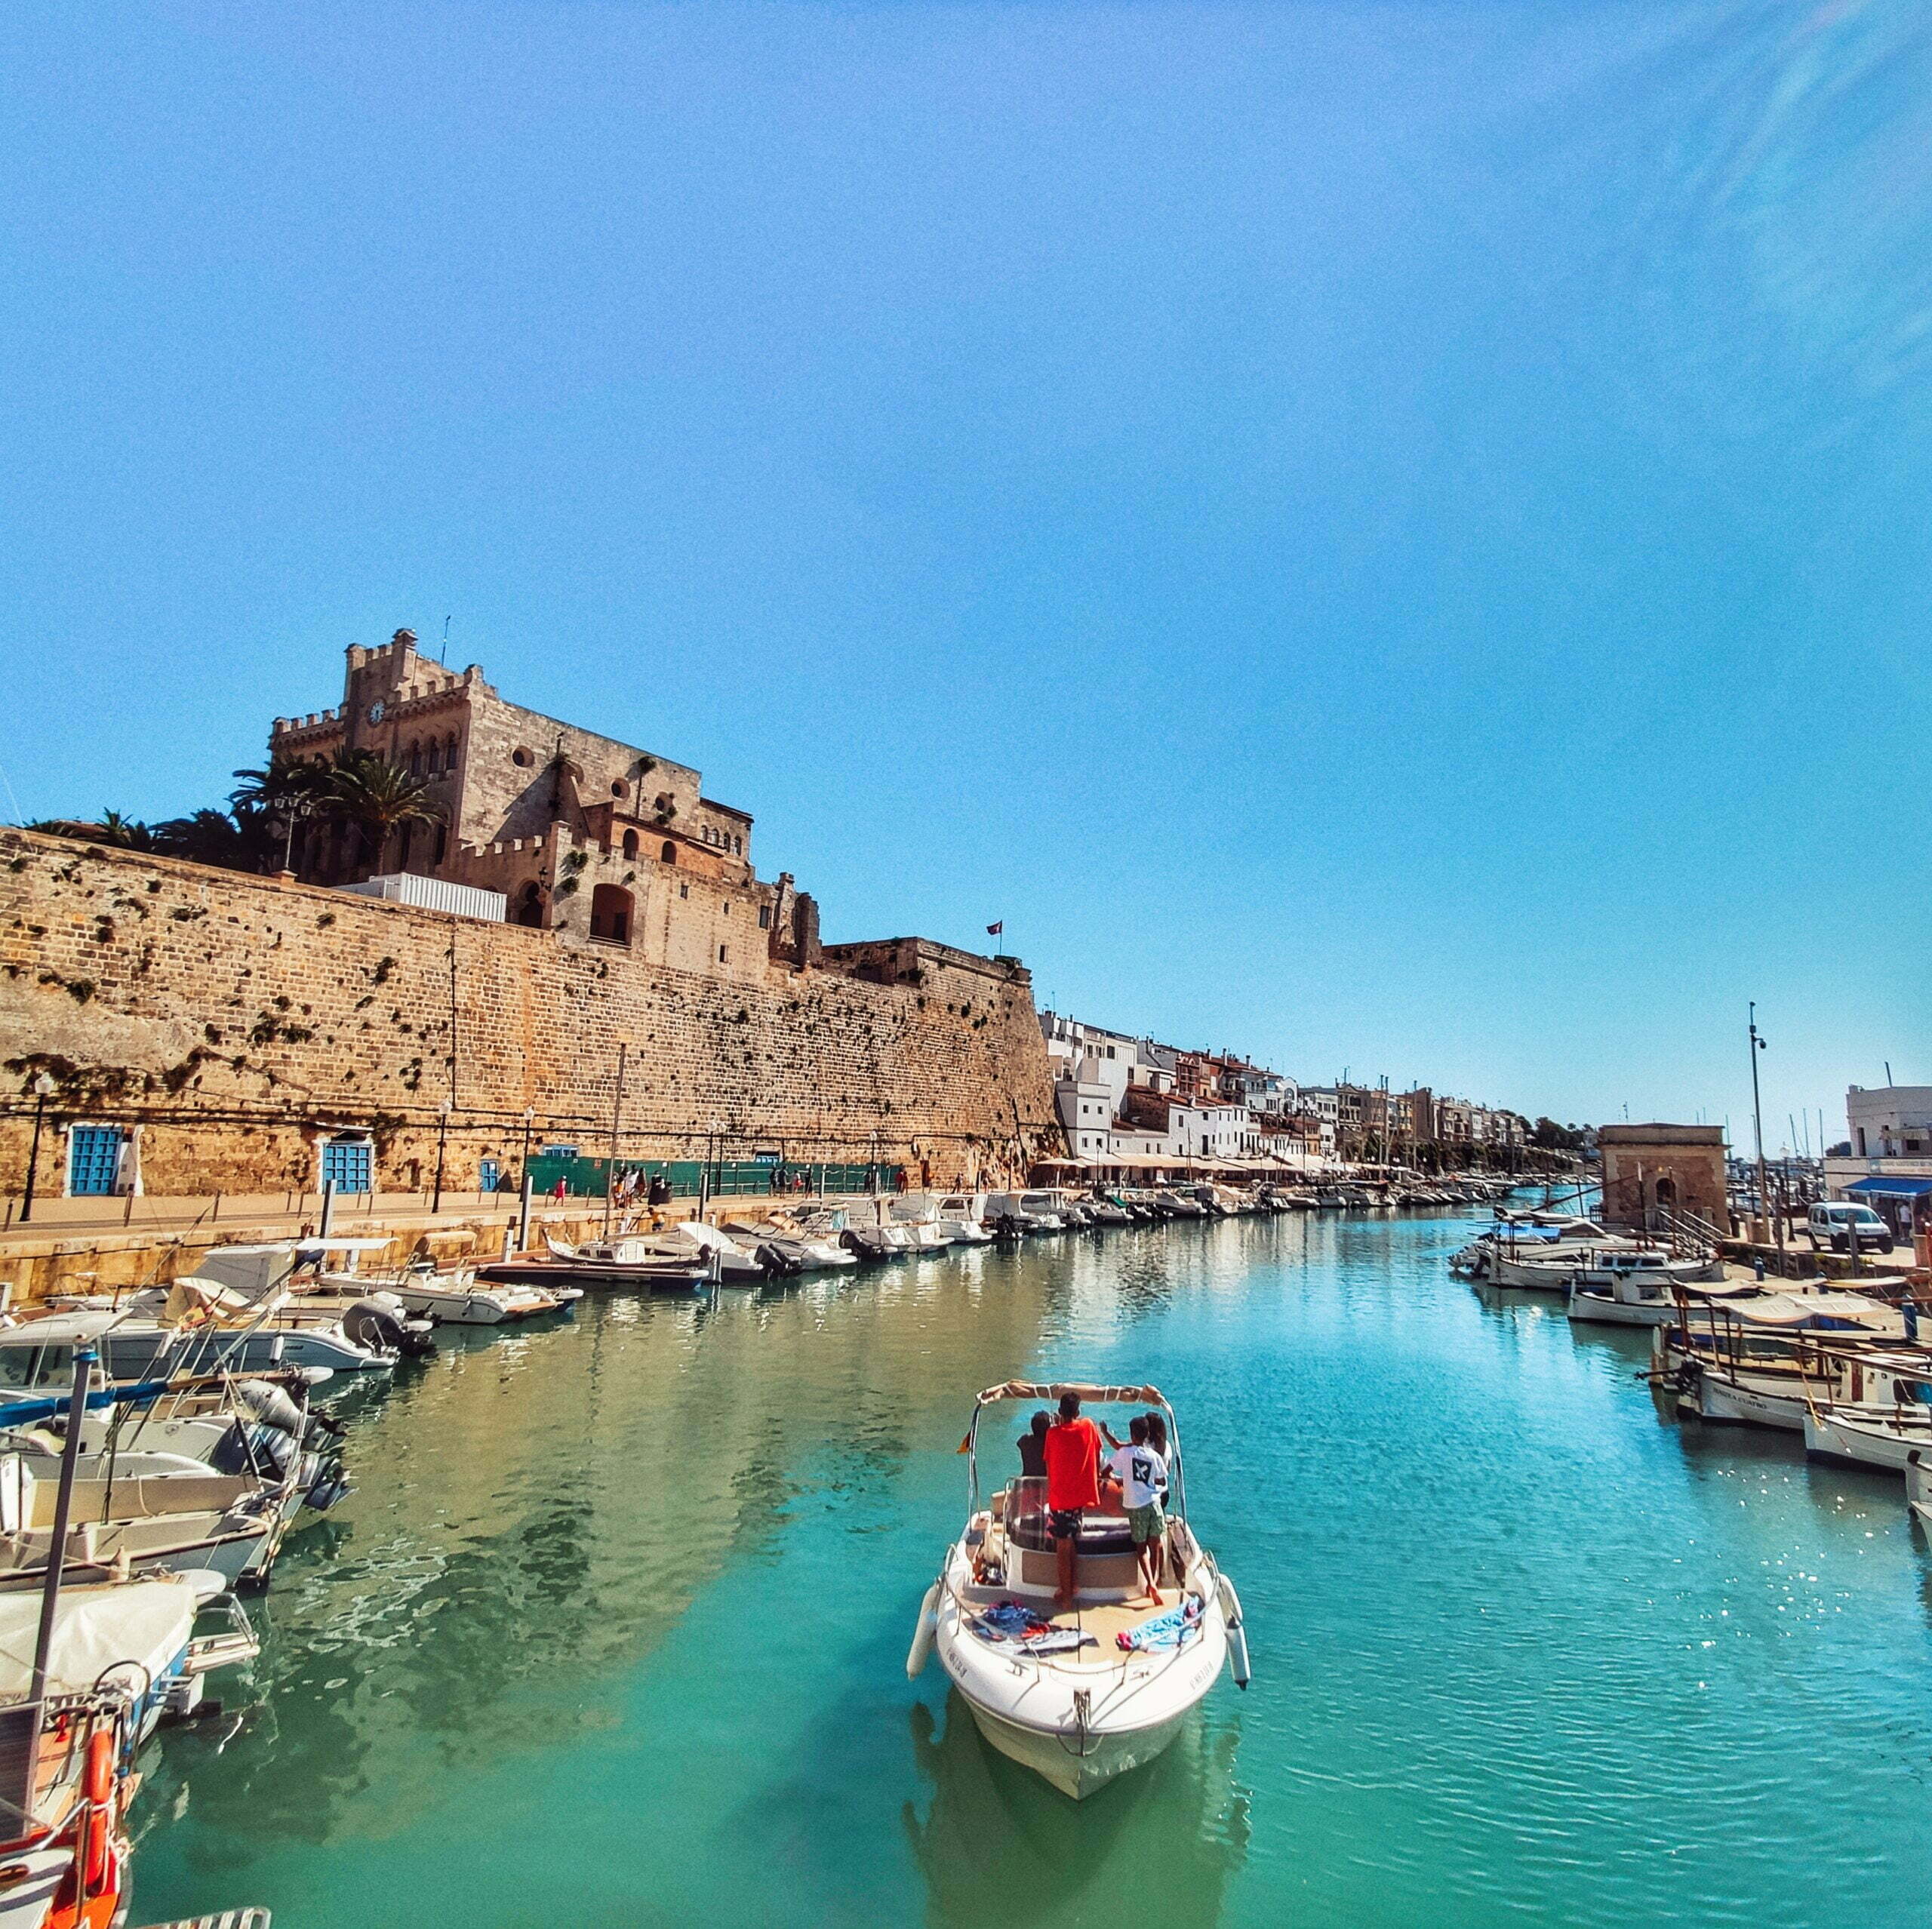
x=348, y=1164
x=488, y=1172
x=93, y=1158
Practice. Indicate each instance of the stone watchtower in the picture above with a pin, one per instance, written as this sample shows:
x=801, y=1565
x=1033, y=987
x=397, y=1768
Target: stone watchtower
x=1649, y=1170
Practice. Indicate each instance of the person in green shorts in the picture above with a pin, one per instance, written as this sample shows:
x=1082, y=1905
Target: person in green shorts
x=1142, y=1475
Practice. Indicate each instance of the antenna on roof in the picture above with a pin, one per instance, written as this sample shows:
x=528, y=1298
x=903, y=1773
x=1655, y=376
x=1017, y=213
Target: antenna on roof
x=443, y=659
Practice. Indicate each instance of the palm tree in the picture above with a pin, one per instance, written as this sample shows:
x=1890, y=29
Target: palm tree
x=129, y=833
x=235, y=843
x=376, y=797
x=270, y=803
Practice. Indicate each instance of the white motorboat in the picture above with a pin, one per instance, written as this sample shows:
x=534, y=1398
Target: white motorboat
x=1082, y=1695
x=1642, y=1288
x=230, y=1525
x=963, y=1214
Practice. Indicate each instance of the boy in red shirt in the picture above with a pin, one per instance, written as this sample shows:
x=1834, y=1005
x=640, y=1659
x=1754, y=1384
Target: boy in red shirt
x=1073, y=1485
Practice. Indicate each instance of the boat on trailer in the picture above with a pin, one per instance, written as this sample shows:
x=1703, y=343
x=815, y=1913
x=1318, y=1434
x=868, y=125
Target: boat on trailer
x=1080, y=1695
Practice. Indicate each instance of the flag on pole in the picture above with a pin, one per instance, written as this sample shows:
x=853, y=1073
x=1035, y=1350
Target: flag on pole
x=994, y=931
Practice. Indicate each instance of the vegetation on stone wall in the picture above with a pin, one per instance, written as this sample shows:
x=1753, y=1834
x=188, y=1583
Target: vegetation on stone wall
x=356, y=790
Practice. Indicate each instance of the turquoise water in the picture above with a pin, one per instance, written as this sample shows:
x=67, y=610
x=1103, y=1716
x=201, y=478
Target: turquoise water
x=613, y=1630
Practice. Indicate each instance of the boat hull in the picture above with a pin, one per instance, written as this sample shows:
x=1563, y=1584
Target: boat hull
x=1867, y=1444
x=1738, y=1403
x=1051, y=1758
x=1589, y=1308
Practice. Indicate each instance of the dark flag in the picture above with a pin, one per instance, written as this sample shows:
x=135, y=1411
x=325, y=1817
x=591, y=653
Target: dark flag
x=994, y=931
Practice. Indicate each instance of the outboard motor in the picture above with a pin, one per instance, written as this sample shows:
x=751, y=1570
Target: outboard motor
x=270, y=1405
x=369, y=1323
x=778, y=1263
x=865, y=1242
x=330, y=1485
x=252, y=1448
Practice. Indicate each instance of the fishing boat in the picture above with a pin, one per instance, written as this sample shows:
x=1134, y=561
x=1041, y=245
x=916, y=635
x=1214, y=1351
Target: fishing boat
x=116, y=1659
x=1765, y=1360
x=1919, y=1485
x=1083, y=1694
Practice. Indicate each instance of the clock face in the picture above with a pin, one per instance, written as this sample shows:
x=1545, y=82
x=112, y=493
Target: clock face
x=376, y=711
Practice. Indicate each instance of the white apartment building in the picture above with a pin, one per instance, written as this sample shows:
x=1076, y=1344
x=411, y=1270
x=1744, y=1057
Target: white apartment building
x=1890, y=1121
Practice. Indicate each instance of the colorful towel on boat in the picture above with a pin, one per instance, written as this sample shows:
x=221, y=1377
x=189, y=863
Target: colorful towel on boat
x=1013, y=1624
x=1014, y=1618
x=1167, y=1630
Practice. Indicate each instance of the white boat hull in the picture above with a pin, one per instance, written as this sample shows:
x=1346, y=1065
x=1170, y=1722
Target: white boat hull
x=1078, y=1720
x=1717, y=1399
x=1863, y=1442
x=1587, y=1308
x=1078, y=1776
x=1918, y=1487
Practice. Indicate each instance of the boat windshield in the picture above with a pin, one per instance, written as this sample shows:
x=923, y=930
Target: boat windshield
x=35, y=1366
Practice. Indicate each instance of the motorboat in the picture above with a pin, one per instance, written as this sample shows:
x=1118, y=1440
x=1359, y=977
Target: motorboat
x=792, y=1243
x=1639, y=1288
x=611, y=1264
x=1082, y=1695
x=229, y=1525
x=40, y=1351
x=420, y=1289
x=963, y=1214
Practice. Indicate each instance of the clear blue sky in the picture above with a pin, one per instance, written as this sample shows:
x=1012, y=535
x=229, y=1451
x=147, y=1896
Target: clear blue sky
x=1393, y=537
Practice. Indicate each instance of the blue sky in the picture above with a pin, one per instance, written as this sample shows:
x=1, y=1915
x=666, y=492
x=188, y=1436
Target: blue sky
x=1389, y=537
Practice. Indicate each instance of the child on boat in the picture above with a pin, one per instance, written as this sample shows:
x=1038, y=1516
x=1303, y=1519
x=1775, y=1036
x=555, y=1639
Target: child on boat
x=1142, y=1473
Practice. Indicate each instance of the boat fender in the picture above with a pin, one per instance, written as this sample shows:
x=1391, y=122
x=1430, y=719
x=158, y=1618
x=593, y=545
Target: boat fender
x=1237, y=1635
x=99, y=1783
x=926, y=1627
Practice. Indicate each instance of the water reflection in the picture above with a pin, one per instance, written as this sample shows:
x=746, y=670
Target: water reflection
x=996, y=1845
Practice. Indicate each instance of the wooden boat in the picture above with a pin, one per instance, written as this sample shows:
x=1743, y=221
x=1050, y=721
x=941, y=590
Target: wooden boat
x=1644, y=1289
x=1104, y=1686
x=608, y=1263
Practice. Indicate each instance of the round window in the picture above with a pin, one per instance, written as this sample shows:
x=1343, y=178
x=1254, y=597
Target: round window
x=522, y=757
x=617, y=789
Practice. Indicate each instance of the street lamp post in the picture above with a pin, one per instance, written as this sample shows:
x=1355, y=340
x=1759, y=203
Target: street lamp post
x=43, y=1090
x=442, y=1145
x=1757, y=1128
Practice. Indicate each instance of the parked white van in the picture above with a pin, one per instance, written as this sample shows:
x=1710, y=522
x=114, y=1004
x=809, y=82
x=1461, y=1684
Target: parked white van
x=1836, y=1224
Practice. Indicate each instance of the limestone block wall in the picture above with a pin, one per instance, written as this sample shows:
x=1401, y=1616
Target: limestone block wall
x=233, y=1023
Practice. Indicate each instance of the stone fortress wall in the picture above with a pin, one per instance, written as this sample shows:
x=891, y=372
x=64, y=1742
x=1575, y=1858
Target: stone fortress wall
x=233, y=1024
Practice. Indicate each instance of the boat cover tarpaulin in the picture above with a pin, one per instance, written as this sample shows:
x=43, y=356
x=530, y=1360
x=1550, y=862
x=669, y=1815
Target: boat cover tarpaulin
x=1823, y=1311
x=1899, y=1189
x=95, y=1628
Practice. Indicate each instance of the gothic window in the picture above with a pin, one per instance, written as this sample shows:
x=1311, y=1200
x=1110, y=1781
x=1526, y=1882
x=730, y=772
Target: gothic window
x=630, y=844
x=449, y=755
x=531, y=911
x=670, y=852
x=430, y=764
x=415, y=758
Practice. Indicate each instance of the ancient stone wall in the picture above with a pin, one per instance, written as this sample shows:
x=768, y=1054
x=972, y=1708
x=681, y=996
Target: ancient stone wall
x=235, y=1022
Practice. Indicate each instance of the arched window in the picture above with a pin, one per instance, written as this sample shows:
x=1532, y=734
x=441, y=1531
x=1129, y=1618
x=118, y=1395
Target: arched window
x=630, y=844
x=415, y=758
x=531, y=910
x=670, y=852
x=611, y=914
x=449, y=755
x=430, y=762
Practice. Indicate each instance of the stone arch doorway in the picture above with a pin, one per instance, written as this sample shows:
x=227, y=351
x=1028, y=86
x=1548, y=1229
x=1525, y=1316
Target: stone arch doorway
x=611, y=914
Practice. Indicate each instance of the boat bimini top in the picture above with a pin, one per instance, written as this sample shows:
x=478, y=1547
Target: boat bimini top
x=1086, y=1392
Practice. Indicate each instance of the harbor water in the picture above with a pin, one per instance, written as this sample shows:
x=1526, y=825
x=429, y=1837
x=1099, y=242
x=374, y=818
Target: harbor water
x=613, y=1630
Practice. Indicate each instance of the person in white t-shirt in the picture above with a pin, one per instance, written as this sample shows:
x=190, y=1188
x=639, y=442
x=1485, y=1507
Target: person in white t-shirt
x=1142, y=1475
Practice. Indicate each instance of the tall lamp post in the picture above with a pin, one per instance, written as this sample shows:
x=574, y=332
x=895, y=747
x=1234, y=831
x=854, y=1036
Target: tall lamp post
x=43, y=1090
x=442, y=1145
